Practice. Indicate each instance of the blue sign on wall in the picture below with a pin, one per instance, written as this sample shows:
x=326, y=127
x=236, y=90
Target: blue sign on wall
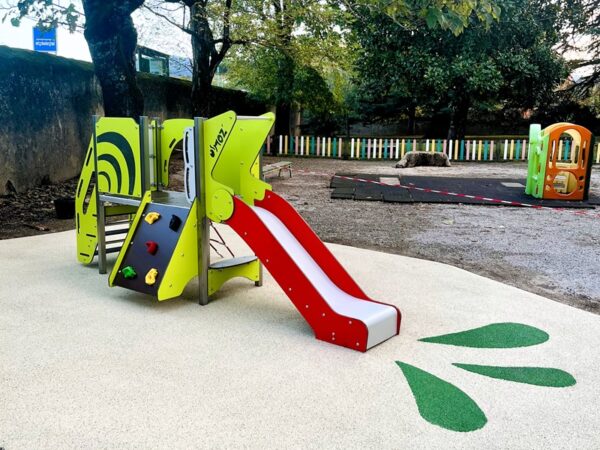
x=44, y=41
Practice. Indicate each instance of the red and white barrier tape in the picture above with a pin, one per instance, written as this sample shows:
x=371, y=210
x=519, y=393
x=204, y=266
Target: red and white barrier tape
x=579, y=212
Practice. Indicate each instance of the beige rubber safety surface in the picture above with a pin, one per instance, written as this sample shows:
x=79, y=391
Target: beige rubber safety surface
x=83, y=365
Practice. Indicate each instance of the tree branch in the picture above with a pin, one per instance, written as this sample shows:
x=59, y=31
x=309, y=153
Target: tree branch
x=169, y=20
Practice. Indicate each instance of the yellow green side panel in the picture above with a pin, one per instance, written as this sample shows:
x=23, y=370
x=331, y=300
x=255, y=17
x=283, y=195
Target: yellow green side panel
x=85, y=210
x=255, y=170
x=183, y=265
x=217, y=277
x=132, y=228
x=171, y=134
x=118, y=152
x=217, y=132
x=119, y=210
x=234, y=165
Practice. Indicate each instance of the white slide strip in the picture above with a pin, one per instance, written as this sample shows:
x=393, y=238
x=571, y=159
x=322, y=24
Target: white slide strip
x=381, y=320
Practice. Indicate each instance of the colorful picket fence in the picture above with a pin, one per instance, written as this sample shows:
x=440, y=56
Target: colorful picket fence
x=395, y=148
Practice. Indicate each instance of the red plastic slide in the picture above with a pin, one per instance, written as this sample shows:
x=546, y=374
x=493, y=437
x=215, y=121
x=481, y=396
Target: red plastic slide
x=327, y=297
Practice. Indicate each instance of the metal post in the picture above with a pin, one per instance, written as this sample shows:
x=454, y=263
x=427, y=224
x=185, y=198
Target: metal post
x=261, y=176
x=100, y=219
x=144, y=155
x=203, y=229
x=157, y=153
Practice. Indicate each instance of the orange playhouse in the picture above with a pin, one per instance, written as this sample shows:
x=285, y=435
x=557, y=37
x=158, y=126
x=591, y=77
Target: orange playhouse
x=560, y=162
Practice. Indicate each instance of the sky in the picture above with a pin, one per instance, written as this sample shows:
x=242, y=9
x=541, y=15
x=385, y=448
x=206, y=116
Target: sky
x=169, y=40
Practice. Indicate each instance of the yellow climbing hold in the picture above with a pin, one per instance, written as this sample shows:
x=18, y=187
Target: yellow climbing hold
x=152, y=217
x=151, y=277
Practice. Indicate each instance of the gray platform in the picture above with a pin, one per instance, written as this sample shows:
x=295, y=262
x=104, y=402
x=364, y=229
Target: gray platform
x=509, y=189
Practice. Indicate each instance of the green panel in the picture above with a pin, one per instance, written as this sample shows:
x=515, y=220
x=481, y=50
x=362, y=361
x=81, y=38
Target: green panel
x=118, y=154
x=441, y=403
x=183, y=265
x=231, y=156
x=495, y=335
x=170, y=135
x=539, y=376
x=216, y=134
x=537, y=158
x=217, y=277
x=130, y=233
x=85, y=213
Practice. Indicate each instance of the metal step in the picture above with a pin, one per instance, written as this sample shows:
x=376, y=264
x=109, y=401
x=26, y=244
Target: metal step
x=225, y=263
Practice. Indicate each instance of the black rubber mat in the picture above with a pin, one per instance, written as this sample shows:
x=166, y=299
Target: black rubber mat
x=508, y=189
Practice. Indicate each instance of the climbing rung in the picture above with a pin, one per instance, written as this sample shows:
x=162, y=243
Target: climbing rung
x=115, y=241
x=109, y=250
x=113, y=231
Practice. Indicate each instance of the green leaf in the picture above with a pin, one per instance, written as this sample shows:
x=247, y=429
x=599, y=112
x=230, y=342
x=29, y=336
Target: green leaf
x=539, y=376
x=432, y=17
x=495, y=335
x=441, y=403
x=15, y=21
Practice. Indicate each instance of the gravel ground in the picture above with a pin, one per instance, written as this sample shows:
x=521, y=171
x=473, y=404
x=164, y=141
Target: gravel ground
x=554, y=254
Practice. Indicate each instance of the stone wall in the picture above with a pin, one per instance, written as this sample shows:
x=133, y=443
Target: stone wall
x=46, y=105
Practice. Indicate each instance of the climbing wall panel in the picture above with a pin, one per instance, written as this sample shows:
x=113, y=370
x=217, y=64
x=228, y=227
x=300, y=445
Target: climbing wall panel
x=151, y=247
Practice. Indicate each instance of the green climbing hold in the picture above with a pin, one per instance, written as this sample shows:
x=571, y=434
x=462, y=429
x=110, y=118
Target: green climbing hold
x=441, y=403
x=129, y=273
x=539, y=376
x=495, y=335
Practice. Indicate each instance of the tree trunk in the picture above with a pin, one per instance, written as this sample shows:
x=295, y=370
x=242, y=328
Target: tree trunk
x=112, y=40
x=284, y=94
x=202, y=49
x=459, y=114
x=451, y=135
x=282, y=122
x=412, y=112
x=285, y=68
x=201, y=93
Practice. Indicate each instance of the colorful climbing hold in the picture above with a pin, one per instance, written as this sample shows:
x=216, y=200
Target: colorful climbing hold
x=174, y=223
x=151, y=277
x=152, y=247
x=152, y=217
x=129, y=273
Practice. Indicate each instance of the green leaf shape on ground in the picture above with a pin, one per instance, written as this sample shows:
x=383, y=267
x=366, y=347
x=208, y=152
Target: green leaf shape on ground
x=441, y=403
x=539, y=376
x=494, y=335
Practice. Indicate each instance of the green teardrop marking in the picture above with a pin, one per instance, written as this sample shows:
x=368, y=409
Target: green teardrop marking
x=441, y=403
x=539, y=376
x=494, y=335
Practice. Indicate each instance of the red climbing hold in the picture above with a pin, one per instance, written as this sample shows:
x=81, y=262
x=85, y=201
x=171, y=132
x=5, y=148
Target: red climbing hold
x=152, y=247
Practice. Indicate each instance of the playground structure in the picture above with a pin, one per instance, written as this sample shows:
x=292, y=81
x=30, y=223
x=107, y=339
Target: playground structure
x=164, y=241
x=547, y=176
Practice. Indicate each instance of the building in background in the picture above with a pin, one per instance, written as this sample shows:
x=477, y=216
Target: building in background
x=151, y=61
